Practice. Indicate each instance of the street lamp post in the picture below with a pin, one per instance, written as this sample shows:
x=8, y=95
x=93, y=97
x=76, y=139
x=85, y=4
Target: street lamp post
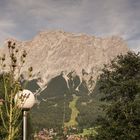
x=24, y=124
x=25, y=100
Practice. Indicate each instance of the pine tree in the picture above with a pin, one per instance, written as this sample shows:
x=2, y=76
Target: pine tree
x=120, y=84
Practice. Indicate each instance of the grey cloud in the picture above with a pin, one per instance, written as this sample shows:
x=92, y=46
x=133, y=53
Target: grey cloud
x=97, y=17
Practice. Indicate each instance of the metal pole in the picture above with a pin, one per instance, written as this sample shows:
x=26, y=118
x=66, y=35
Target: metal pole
x=24, y=124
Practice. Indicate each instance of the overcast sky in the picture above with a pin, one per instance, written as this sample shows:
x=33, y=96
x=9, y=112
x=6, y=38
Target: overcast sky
x=23, y=19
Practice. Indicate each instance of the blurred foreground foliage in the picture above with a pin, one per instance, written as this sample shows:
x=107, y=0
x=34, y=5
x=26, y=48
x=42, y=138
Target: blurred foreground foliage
x=11, y=65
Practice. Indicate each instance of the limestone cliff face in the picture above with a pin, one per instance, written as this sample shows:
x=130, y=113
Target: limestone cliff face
x=50, y=53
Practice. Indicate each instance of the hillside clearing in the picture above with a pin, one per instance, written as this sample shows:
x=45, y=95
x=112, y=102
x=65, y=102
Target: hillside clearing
x=74, y=113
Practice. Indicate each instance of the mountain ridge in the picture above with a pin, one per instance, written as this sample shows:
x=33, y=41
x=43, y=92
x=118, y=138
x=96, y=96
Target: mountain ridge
x=53, y=52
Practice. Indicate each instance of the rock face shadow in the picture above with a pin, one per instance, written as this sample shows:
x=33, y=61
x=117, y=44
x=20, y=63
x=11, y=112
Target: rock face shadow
x=56, y=87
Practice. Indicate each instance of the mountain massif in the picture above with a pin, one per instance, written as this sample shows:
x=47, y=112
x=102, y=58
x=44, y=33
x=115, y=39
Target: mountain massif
x=51, y=53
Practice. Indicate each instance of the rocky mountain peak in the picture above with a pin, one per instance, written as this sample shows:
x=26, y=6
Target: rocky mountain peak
x=52, y=52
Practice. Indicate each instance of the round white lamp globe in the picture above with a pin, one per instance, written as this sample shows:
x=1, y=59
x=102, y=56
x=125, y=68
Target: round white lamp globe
x=25, y=99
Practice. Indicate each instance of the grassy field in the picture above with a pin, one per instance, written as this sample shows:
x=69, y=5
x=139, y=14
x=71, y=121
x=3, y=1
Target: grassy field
x=87, y=132
x=74, y=113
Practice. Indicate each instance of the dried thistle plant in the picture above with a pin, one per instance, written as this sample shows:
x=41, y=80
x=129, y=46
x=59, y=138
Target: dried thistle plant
x=10, y=113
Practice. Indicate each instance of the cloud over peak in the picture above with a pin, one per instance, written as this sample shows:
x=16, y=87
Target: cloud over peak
x=98, y=17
